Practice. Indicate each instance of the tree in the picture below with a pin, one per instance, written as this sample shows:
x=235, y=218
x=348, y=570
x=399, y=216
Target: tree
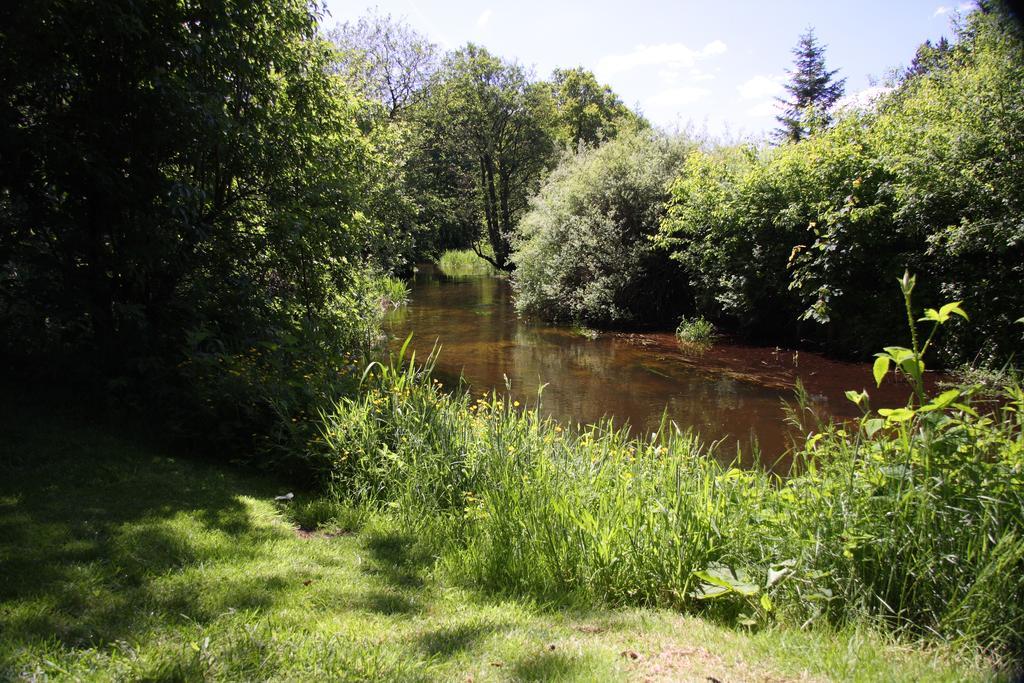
x=812, y=91
x=385, y=59
x=495, y=124
x=928, y=58
x=587, y=110
x=176, y=176
x=584, y=251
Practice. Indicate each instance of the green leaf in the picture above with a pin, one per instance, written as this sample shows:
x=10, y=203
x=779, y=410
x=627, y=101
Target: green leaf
x=899, y=353
x=872, y=426
x=950, y=308
x=879, y=369
x=709, y=592
x=896, y=414
x=942, y=400
x=912, y=367
x=723, y=576
x=857, y=398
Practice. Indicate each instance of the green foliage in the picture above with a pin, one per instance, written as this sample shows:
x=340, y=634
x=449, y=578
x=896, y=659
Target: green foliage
x=465, y=263
x=698, y=330
x=588, y=111
x=583, y=252
x=491, y=130
x=797, y=242
x=200, y=192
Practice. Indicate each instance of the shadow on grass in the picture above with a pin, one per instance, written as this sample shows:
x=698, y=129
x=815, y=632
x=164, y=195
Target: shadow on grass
x=451, y=640
x=92, y=526
x=548, y=666
x=395, y=560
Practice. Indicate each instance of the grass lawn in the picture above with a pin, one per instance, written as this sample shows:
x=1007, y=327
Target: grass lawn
x=121, y=560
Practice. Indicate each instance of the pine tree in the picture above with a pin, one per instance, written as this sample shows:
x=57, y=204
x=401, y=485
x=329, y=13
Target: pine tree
x=812, y=90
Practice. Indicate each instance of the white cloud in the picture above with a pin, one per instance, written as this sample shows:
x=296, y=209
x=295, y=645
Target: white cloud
x=668, y=56
x=484, y=19
x=674, y=98
x=962, y=8
x=760, y=87
x=763, y=109
x=863, y=99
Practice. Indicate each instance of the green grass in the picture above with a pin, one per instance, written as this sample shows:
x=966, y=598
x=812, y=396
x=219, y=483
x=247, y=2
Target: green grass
x=915, y=527
x=465, y=264
x=394, y=292
x=129, y=561
x=697, y=330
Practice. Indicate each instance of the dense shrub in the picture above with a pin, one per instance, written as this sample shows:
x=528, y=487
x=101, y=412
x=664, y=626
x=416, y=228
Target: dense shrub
x=583, y=252
x=183, y=184
x=795, y=243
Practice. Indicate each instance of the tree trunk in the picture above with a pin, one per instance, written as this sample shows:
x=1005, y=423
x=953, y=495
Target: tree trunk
x=494, y=233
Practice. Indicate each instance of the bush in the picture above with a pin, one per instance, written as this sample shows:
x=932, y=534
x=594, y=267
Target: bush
x=797, y=242
x=583, y=252
x=261, y=397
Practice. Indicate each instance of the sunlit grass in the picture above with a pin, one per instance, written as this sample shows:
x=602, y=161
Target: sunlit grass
x=394, y=292
x=698, y=330
x=465, y=263
x=129, y=562
x=916, y=531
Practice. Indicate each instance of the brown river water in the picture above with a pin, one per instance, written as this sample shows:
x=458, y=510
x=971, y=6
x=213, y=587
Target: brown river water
x=729, y=392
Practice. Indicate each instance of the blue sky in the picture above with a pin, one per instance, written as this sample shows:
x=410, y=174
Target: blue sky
x=714, y=65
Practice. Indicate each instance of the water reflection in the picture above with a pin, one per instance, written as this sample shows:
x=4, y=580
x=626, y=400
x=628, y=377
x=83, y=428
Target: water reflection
x=730, y=393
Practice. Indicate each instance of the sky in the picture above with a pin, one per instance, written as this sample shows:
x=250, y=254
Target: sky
x=715, y=66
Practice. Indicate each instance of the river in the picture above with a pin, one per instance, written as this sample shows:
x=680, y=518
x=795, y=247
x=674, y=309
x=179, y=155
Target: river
x=729, y=392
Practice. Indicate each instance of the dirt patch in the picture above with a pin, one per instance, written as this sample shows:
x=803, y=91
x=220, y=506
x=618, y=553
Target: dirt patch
x=697, y=665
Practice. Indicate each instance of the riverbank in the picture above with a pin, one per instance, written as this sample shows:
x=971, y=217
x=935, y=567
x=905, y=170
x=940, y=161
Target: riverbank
x=125, y=559
x=728, y=391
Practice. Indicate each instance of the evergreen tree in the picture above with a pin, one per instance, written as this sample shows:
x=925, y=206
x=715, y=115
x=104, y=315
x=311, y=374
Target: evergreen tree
x=812, y=90
x=928, y=58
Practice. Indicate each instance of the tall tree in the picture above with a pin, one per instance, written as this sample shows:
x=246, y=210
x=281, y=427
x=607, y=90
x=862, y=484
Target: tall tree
x=928, y=58
x=812, y=90
x=169, y=167
x=488, y=113
x=588, y=110
x=385, y=59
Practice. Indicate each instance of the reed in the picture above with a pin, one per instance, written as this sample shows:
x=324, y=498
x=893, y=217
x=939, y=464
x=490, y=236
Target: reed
x=464, y=264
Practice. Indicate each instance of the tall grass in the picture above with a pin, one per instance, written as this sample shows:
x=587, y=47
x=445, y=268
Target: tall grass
x=911, y=519
x=696, y=330
x=465, y=263
x=394, y=292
